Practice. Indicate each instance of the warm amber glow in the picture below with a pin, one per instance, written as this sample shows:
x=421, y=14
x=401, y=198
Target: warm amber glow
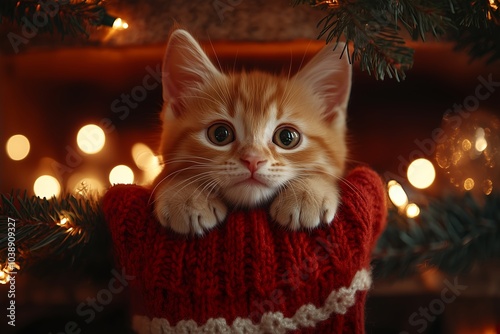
x=63, y=221
x=481, y=144
x=468, y=184
x=120, y=24
x=329, y=3
x=91, y=139
x=412, y=210
x=121, y=174
x=18, y=147
x=421, y=173
x=4, y=277
x=142, y=155
x=146, y=160
x=487, y=186
x=493, y=5
x=466, y=145
x=397, y=194
x=6, y=270
x=47, y=186
x=490, y=330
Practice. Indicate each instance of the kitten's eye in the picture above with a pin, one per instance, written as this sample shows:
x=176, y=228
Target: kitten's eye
x=286, y=137
x=220, y=134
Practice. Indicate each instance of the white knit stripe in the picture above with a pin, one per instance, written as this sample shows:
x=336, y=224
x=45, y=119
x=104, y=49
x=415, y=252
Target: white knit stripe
x=307, y=315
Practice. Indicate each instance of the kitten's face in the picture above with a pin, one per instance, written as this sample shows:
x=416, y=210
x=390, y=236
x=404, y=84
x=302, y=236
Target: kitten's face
x=245, y=136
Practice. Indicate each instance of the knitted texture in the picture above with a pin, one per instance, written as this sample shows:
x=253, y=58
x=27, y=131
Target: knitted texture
x=249, y=275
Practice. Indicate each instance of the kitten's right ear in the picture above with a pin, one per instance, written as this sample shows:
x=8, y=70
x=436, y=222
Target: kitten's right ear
x=185, y=66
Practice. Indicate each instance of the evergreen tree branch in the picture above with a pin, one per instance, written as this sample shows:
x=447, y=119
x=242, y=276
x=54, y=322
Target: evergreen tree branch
x=450, y=234
x=49, y=228
x=479, y=29
x=374, y=28
x=62, y=16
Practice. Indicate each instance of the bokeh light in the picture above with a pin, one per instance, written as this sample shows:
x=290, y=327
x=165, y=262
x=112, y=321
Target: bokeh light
x=487, y=186
x=421, y=173
x=121, y=174
x=397, y=194
x=412, y=210
x=120, y=24
x=468, y=184
x=143, y=156
x=147, y=161
x=91, y=139
x=47, y=186
x=18, y=147
x=63, y=221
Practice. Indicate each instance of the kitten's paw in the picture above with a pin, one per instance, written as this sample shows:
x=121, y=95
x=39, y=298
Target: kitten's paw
x=189, y=213
x=298, y=207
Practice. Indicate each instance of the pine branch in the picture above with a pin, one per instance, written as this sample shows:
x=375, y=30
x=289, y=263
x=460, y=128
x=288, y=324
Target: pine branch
x=65, y=17
x=53, y=228
x=374, y=28
x=376, y=43
x=479, y=30
x=451, y=234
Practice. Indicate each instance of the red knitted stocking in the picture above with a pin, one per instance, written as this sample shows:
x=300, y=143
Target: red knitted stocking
x=249, y=275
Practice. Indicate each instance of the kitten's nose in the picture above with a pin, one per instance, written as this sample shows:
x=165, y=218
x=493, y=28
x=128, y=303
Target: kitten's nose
x=253, y=162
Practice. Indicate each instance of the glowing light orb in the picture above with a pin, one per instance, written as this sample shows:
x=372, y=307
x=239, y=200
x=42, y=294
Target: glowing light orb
x=121, y=174
x=468, y=184
x=421, y=173
x=47, y=186
x=120, y=24
x=91, y=139
x=412, y=210
x=63, y=221
x=466, y=144
x=487, y=186
x=147, y=161
x=18, y=147
x=481, y=144
x=397, y=194
x=143, y=156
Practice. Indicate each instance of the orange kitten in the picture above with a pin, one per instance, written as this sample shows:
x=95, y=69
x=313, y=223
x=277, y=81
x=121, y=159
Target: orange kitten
x=246, y=139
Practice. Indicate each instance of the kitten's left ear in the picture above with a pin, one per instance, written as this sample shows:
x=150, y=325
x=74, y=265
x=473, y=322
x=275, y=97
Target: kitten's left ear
x=329, y=76
x=185, y=66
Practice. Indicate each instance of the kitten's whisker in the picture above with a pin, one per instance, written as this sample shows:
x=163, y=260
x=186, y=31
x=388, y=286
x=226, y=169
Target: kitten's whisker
x=172, y=175
x=180, y=155
x=215, y=53
x=195, y=164
x=217, y=89
x=347, y=183
x=212, y=184
x=234, y=63
x=189, y=181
